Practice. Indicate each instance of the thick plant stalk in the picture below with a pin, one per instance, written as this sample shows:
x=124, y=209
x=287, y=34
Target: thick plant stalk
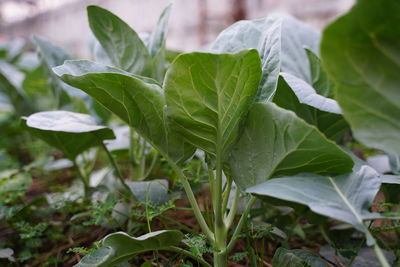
x=220, y=230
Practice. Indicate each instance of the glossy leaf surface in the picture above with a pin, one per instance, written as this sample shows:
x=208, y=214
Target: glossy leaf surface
x=275, y=142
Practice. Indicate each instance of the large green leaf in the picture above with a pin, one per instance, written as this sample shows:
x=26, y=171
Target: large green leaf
x=275, y=142
x=68, y=131
x=361, y=53
x=121, y=43
x=120, y=247
x=139, y=102
x=298, y=96
x=297, y=258
x=208, y=95
x=346, y=197
x=280, y=41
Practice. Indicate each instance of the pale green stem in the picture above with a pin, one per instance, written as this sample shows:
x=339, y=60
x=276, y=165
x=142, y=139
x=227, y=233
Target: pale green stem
x=226, y=196
x=117, y=171
x=147, y=208
x=192, y=200
x=83, y=178
x=381, y=257
x=152, y=164
x=211, y=180
x=142, y=159
x=220, y=231
x=240, y=225
x=232, y=212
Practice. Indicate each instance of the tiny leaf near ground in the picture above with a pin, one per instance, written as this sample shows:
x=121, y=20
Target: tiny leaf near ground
x=120, y=247
x=360, y=53
x=297, y=258
x=275, y=142
x=70, y=132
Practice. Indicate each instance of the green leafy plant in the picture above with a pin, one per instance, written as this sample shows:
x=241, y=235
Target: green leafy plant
x=205, y=99
x=257, y=114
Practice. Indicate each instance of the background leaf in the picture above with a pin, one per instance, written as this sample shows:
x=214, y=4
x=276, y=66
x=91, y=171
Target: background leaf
x=52, y=56
x=154, y=191
x=361, y=53
x=297, y=258
x=280, y=41
x=158, y=36
x=122, y=44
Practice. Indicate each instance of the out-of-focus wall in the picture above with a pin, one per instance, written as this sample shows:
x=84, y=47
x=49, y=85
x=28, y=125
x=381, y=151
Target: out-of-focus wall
x=192, y=22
